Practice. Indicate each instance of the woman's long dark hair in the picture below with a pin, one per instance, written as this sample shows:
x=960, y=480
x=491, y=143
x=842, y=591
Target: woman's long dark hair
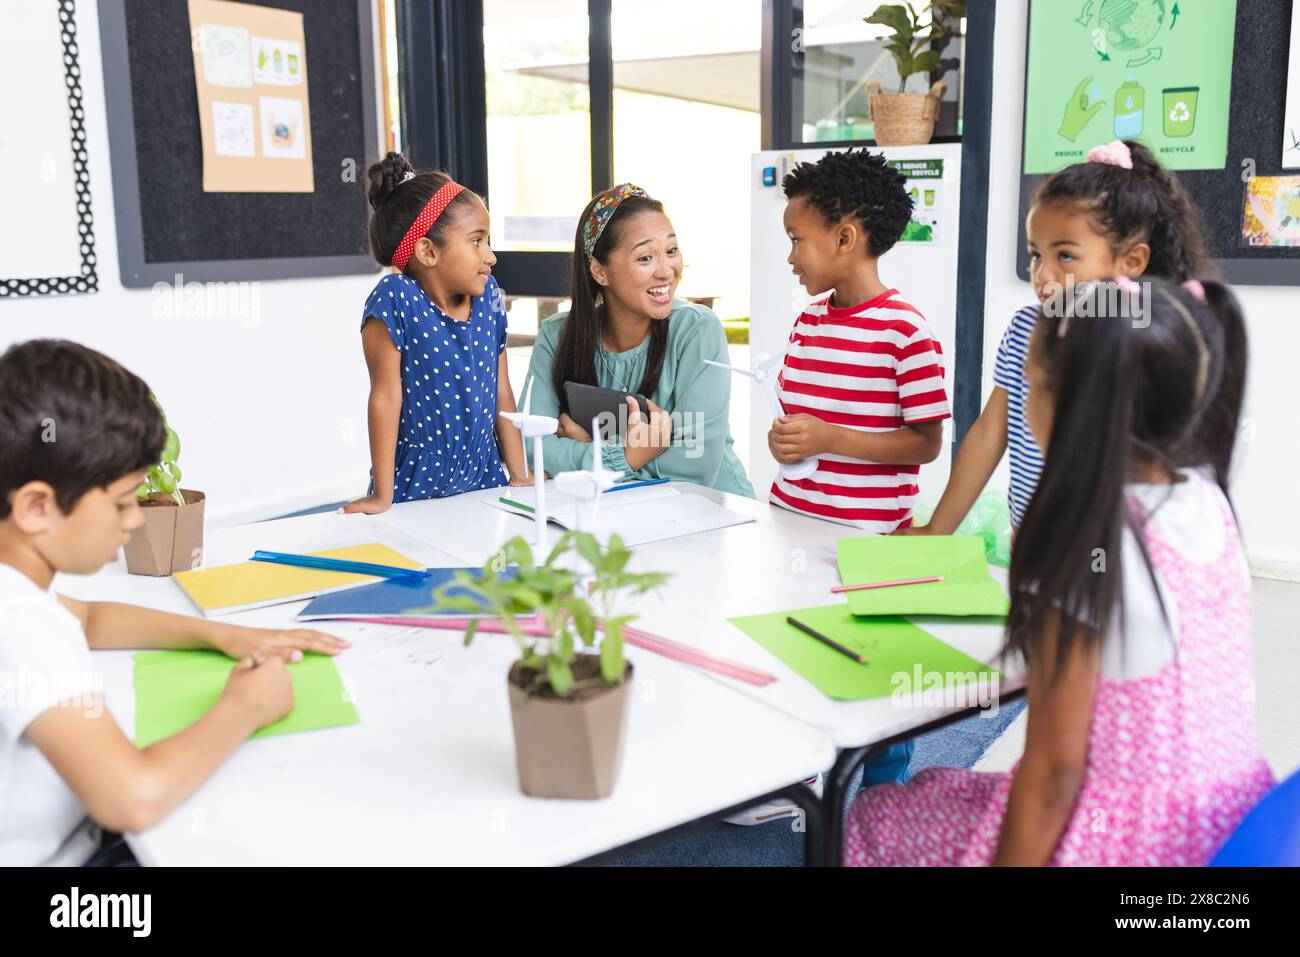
x=1124, y=395
x=575, y=356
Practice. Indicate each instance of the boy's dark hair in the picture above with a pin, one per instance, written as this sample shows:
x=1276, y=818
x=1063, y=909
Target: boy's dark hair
x=855, y=183
x=1167, y=394
x=575, y=355
x=396, y=201
x=1145, y=204
x=74, y=418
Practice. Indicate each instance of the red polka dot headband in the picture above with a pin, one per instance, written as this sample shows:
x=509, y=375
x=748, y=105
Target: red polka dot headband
x=424, y=222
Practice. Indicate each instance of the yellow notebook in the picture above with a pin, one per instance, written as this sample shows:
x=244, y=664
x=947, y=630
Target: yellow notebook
x=226, y=589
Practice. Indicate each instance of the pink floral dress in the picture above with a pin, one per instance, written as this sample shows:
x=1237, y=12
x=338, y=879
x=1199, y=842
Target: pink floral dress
x=1173, y=764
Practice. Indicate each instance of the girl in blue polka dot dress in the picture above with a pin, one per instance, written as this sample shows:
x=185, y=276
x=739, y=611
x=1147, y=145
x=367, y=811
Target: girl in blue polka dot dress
x=434, y=337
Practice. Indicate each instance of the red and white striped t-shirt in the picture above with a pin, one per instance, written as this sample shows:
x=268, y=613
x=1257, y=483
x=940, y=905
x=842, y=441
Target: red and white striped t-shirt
x=873, y=367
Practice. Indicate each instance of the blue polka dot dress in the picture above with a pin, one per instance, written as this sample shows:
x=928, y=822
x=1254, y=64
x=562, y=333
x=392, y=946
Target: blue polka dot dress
x=445, y=440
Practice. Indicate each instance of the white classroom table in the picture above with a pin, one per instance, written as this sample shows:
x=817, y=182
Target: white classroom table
x=780, y=562
x=428, y=776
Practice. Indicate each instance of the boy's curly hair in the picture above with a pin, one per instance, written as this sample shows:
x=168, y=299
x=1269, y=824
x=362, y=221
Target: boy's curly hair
x=855, y=183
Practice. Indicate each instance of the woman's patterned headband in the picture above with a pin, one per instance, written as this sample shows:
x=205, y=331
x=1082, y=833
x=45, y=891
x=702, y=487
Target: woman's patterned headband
x=602, y=211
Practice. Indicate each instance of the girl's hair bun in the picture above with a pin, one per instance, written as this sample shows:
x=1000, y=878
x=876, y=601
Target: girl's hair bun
x=385, y=176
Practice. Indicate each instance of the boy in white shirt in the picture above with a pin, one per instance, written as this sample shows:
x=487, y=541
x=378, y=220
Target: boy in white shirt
x=77, y=434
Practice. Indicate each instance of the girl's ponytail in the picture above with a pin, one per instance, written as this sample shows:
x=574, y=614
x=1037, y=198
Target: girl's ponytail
x=1077, y=513
x=1176, y=231
x=1128, y=397
x=1222, y=415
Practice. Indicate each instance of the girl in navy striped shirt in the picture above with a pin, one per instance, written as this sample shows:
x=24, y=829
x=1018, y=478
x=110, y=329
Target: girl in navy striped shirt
x=1119, y=213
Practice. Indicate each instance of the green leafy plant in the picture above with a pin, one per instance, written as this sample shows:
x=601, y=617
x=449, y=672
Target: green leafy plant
x=915, y=31
x=553, y=593
x=165, y=477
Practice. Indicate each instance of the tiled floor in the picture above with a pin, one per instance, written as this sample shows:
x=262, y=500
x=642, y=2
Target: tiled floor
x=1277, y=685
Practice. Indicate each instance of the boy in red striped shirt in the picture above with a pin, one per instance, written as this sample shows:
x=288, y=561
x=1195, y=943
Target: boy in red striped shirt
x=862, y=384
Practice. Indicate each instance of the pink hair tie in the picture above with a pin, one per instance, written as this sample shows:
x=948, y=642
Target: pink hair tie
x=1114, y=153
x=1196, y=289
x=1126, y=285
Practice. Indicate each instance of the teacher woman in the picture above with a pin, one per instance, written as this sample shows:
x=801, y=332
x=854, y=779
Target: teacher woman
x=625, y=331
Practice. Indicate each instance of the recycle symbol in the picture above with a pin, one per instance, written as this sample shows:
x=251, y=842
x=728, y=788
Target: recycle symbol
x=1180, y=113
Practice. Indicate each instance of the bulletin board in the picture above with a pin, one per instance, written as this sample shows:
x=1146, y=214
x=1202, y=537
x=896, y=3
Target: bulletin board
x=167, y=223
x=1178, y=115
x=251, y=71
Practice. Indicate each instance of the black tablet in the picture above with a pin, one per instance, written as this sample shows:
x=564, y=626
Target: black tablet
x=587, y=402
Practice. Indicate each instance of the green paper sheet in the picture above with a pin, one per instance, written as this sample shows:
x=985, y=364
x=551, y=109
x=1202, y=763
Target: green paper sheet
x=967, y=588
x=902, y=657
x=173, y=689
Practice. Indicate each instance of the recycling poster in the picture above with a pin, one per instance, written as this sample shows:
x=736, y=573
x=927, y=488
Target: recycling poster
x=925, y=186
x=1157, y=71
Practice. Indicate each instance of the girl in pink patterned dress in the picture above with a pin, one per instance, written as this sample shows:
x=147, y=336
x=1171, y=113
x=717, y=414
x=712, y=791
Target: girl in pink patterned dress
x=1130, y=606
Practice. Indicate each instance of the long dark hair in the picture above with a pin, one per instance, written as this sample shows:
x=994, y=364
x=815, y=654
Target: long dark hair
x=575, y=356
x=395, y=201
x=1145, y=204
x=1124, y=394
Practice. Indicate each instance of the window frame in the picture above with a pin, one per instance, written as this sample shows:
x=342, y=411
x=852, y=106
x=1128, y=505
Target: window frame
x=782, y=68
x=444, y=115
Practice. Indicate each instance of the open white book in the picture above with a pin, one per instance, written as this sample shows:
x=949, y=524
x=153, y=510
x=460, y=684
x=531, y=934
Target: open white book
x=638, y=515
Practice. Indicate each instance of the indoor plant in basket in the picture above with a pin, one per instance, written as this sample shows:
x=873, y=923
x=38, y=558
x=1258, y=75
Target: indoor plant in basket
x=905, y=119
x=171, y=538
x=568, y=700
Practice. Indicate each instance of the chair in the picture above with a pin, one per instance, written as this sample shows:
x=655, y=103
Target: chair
x=1270, y=834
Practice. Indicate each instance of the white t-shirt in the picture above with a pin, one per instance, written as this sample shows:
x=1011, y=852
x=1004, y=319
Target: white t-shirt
x=44, y=661
x=1188, y=516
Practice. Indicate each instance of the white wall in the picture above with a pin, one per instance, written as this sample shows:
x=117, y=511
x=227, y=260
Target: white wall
x=269, y=402
x=1266, y=488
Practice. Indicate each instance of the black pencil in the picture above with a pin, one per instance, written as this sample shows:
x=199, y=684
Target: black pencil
x=826, y=641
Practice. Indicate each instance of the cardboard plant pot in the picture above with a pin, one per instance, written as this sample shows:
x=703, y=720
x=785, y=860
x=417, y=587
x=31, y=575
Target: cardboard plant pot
x=904, y=119
x=569, y=747
x=171, y=538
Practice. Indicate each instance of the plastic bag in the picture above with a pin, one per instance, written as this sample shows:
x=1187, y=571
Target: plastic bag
x=988, y=518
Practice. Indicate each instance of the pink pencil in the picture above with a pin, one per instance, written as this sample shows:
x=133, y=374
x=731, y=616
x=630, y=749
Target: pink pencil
x=693, y=656
x=902, y=581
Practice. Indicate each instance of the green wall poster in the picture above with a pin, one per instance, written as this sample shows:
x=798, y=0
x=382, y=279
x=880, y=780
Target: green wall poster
x=1157, y=71
x=925, y=186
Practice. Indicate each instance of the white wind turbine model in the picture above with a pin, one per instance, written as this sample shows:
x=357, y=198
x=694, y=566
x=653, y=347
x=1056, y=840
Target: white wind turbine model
x=763, y=372
x=534, y=427
x=586, y=485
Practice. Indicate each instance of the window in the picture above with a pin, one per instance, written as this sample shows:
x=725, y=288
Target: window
x=388, y=60
x=538, y=121
x=686, y=122
x=833, y=55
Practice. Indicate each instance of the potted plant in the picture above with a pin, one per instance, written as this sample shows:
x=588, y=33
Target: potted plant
x=902, y=118
x=171, y=538
x=568, y=701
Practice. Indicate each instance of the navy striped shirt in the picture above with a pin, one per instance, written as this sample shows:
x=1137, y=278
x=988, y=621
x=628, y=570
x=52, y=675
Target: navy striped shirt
x=1009, y=374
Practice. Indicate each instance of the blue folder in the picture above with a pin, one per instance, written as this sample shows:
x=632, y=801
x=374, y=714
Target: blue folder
x=389, y=599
